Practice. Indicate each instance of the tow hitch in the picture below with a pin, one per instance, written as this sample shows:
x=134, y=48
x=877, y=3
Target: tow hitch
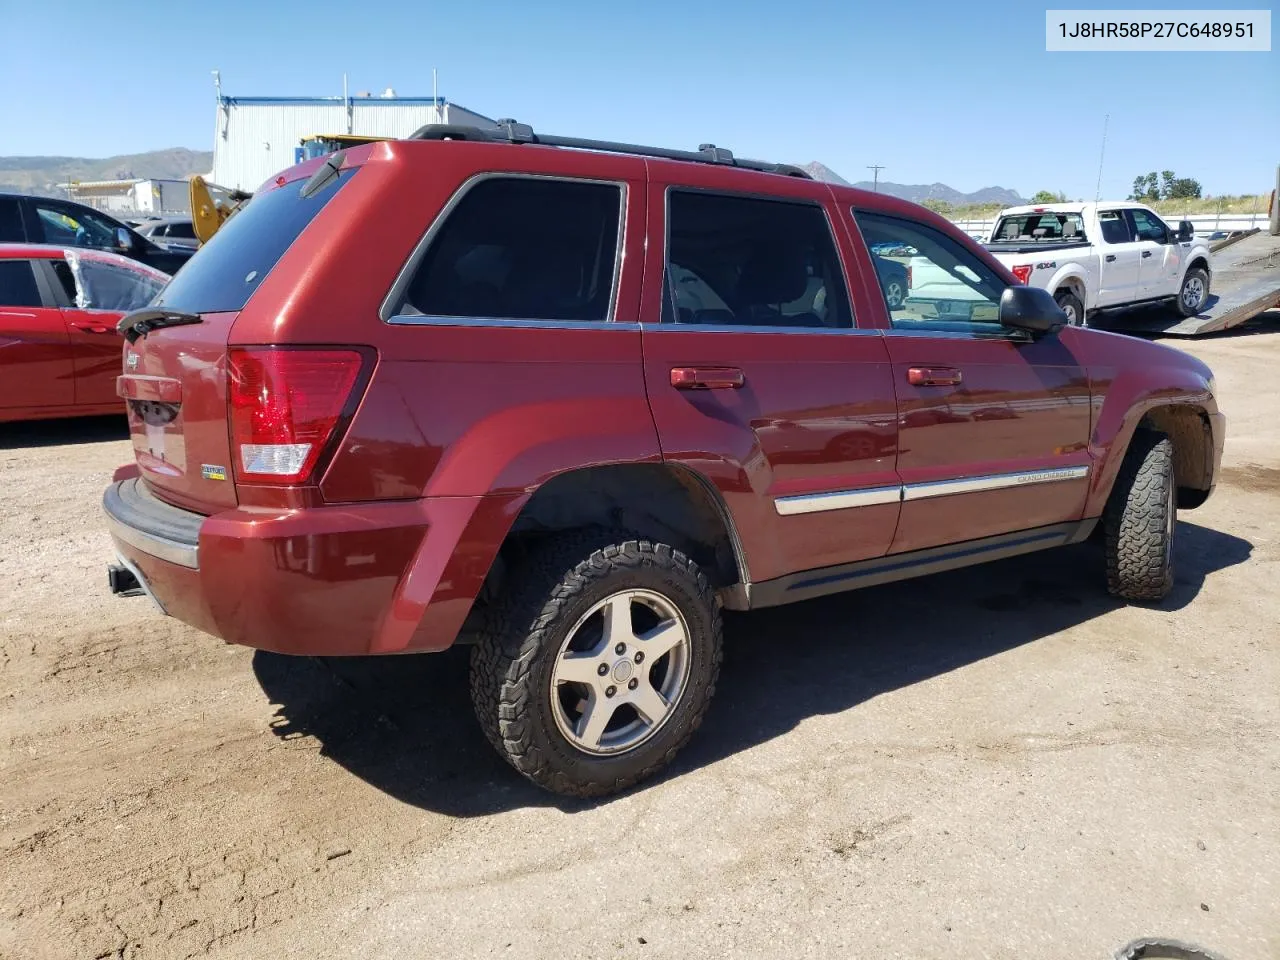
x=122, y=581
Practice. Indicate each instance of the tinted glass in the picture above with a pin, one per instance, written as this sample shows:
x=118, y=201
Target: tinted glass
x=183, y=230
x=523, y=249
x=66, y=278
x=1114, y=227
x=949, y=289
x=18, y=284
x=745, y=261
x=1148, y=227
x=233, y=264
x=11, y=221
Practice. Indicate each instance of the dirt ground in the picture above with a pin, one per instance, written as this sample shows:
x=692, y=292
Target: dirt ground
x=998, y=762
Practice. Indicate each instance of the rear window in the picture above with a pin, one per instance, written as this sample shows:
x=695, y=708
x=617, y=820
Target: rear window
x=226, y=271
x=1040, y=226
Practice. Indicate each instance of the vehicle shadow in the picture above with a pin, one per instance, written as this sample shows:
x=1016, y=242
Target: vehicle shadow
x=55, y=433
x=405, y=725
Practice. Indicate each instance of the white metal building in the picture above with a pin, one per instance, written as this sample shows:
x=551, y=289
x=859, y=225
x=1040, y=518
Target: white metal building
x=257, y=137
x=122, y=197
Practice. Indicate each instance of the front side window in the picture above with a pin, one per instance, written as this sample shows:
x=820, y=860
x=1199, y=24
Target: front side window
x=948, y=288
x=1148, y=226
x=1114, y=226
x=74, y=227
x=183, y=231
x=112, y=284
x=744, y=261
x=18, y=285
x=522, y=248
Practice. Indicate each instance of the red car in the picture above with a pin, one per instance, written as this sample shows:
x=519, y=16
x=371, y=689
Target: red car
x=567, y=400
x=59, y=349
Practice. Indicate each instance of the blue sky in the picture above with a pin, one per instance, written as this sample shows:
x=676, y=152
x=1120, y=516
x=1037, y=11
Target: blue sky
x=962, y=93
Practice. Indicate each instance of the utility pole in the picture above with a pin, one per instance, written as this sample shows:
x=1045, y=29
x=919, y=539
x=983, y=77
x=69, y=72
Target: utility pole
x=875, y=183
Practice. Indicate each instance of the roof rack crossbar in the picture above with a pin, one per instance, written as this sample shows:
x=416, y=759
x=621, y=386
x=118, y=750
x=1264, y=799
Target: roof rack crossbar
x=510, y=131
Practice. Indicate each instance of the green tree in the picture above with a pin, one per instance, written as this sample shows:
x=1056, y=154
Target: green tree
x=1146, y=187
x=1048, y=196
x=1183, y=188
x=1166, y=183
x=940, y=207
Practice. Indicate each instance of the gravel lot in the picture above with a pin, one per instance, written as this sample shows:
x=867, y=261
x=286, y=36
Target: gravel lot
x=998, y=762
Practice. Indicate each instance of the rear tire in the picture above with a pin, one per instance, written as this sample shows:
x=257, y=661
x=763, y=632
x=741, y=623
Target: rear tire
x=565, y=646
x=1072, y=307
x=1139, y=521
x=1194, y=292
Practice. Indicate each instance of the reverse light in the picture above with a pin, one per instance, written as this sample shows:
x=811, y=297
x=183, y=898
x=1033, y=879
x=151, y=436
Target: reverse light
x=1023, y=272
x=285, y=405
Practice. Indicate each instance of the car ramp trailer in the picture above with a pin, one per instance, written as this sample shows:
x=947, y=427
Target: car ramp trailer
x=1245, y=282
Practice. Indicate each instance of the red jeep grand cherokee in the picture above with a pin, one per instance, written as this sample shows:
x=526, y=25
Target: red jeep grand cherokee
x=566, y=400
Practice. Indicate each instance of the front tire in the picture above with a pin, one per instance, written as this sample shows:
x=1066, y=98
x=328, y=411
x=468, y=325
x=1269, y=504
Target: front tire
x=1072, y=307
x=1194, y=292
x=599, y=663
x=1140, y=519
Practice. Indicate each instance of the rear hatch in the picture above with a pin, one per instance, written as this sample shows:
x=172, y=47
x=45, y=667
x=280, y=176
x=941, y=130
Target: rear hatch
x=176, y=376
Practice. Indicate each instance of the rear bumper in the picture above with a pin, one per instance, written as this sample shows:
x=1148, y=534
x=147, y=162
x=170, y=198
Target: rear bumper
x=325, y=581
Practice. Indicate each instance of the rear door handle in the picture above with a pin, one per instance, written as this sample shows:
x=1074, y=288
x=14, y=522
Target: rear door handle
x=934, y=376
x=1111, y=258
x=92, y=326
x=1145, y=254
x=707, y=378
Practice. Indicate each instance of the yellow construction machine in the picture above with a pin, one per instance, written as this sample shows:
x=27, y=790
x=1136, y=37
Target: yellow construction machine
x=212, y=205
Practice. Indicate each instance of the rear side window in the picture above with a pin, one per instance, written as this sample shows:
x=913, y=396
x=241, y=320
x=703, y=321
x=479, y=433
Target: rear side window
x=520, y=248
x=11, y=230
x=1114, y=227
x=750, y=262
x=232, y=265
x=18, y=284
x=183, y=231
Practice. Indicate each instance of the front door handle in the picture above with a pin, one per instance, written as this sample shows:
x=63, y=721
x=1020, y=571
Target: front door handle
x=1145, y=254
x=934, y=376
x=707, y=378
x=1111, y=258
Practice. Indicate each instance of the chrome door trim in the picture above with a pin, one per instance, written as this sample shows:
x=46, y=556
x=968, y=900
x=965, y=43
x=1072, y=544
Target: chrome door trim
x=994, y=481
x=875, y=496
x=837, y=500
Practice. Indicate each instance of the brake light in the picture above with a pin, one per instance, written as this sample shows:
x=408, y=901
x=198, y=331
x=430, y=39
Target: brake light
x=285, y=405
x=1023, y=272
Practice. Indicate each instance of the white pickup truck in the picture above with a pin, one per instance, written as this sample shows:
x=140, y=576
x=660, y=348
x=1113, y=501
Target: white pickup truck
x=1103, y=256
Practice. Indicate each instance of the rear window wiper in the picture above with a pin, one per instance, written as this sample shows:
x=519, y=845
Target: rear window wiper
x=141, y=322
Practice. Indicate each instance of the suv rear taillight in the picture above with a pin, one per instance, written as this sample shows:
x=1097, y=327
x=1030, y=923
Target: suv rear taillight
x=285, y=405
x=1023, y=272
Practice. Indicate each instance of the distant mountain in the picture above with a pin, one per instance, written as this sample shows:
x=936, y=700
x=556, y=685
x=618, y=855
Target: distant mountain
x=41, y=175
x=919, y=192
x=820, y=171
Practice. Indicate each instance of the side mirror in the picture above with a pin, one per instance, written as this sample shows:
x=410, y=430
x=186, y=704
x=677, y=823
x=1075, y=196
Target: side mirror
x=1031, y=309
x=124, y=240
x=1186, y=230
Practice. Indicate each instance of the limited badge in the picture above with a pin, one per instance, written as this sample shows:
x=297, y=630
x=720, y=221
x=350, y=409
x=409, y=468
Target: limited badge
x=212, y=472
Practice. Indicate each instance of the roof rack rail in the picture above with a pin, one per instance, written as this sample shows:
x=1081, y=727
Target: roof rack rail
x=511, y=131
